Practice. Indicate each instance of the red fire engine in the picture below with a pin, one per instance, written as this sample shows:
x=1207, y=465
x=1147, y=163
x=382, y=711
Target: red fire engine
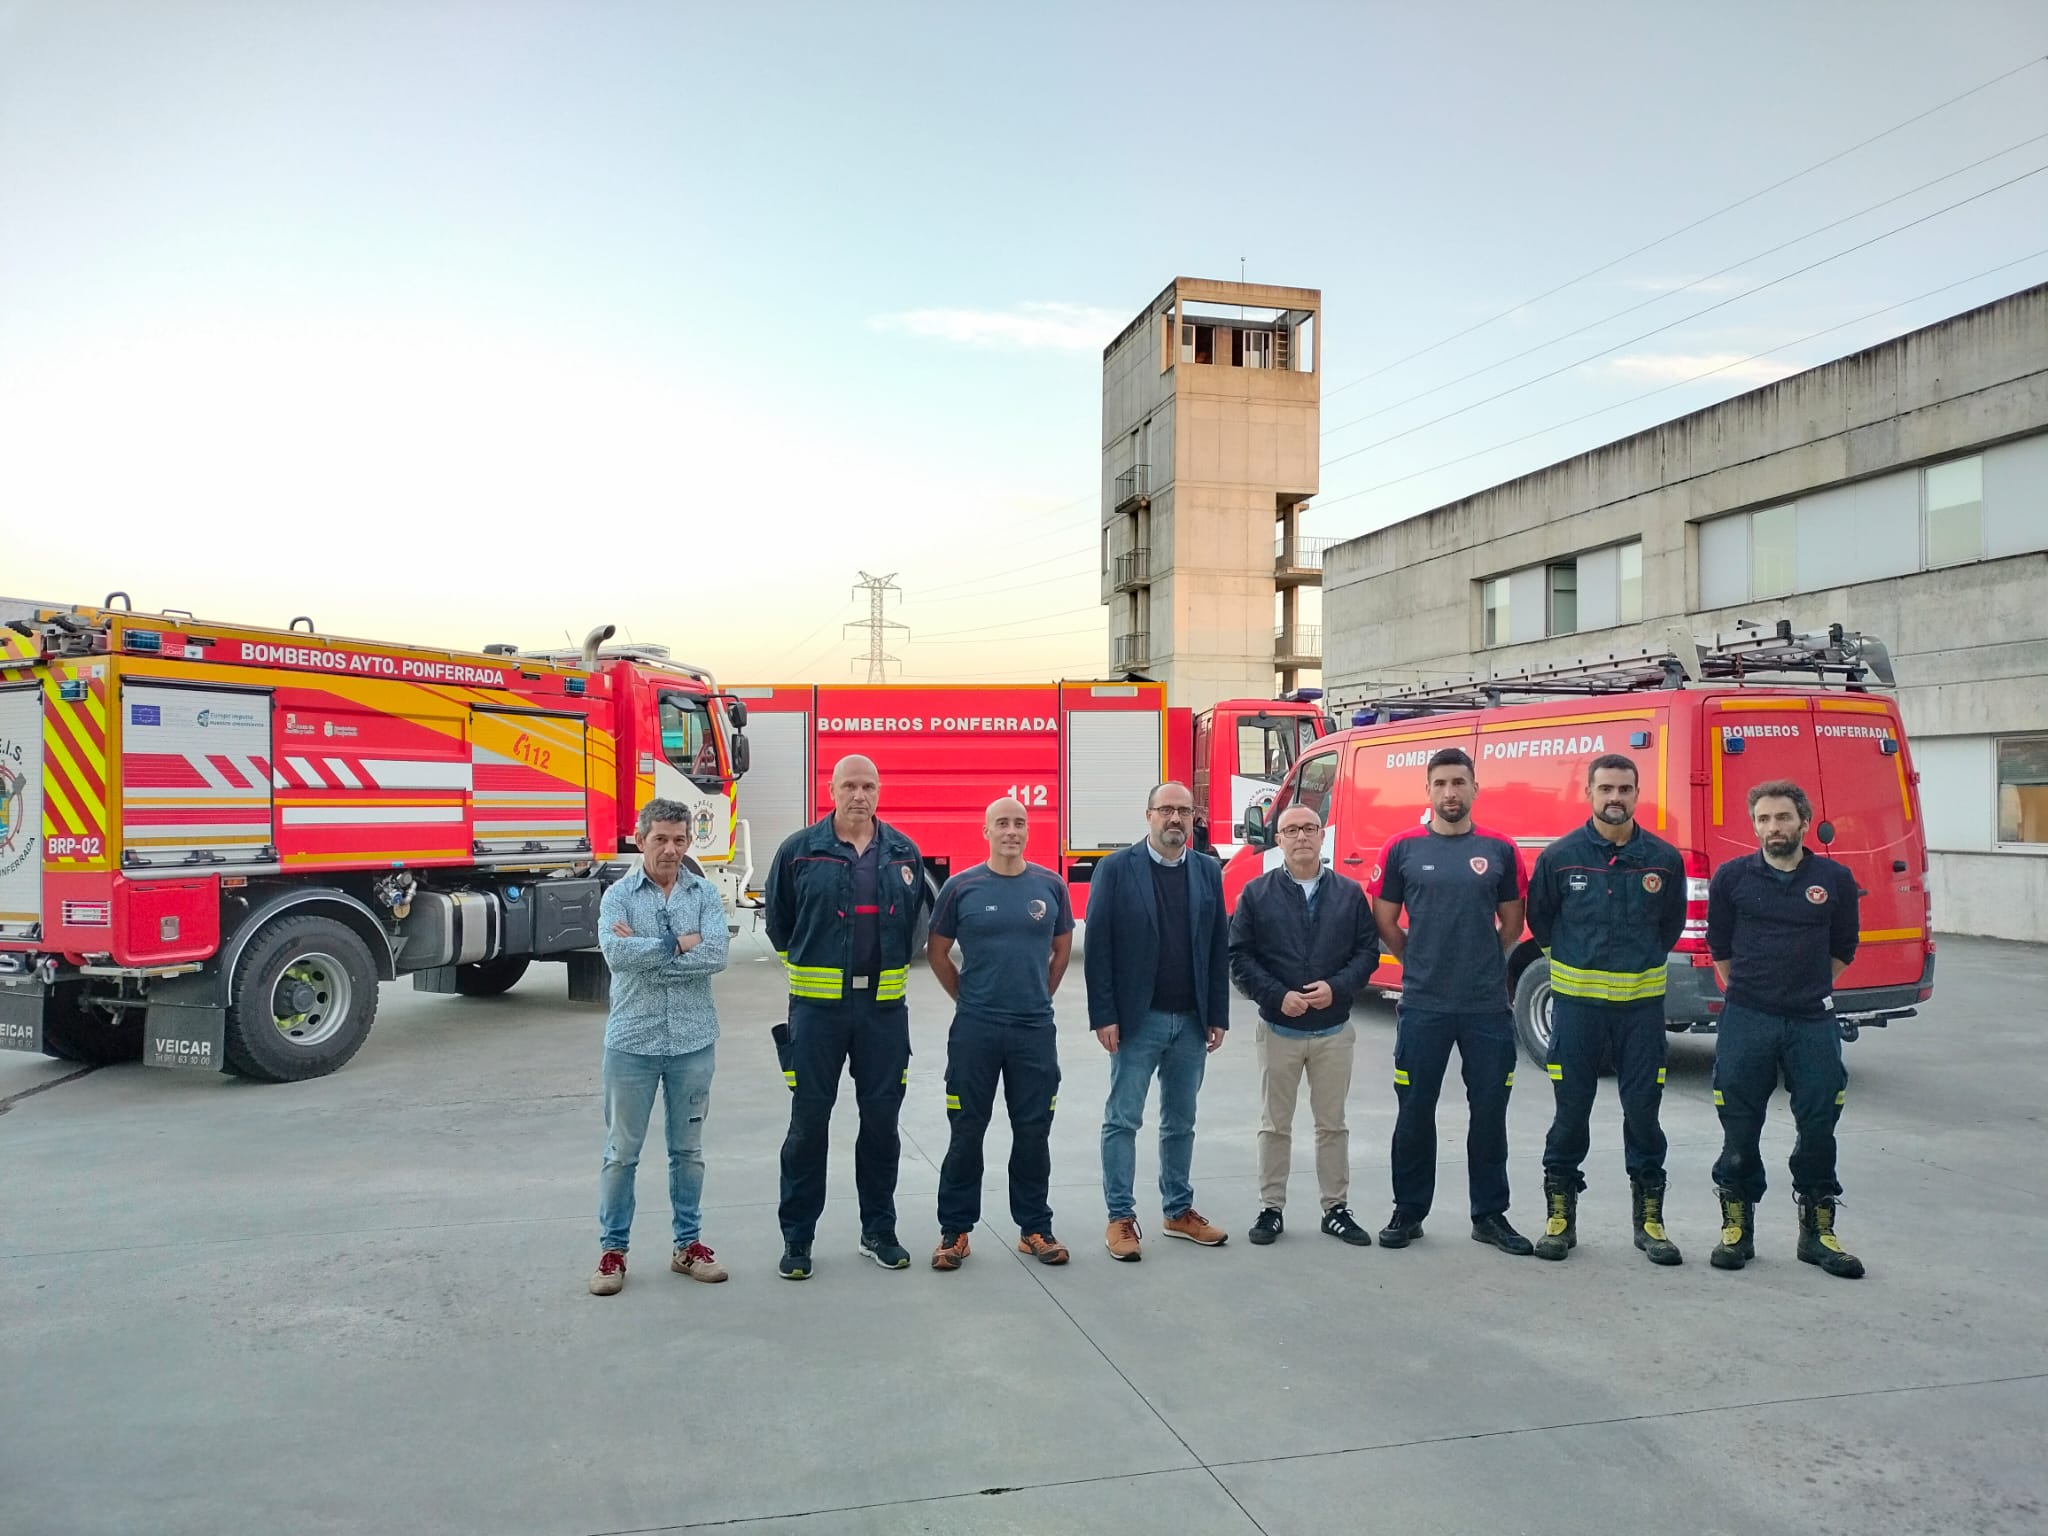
x=216, y=840
x=1081, y=756
x=1703, y=725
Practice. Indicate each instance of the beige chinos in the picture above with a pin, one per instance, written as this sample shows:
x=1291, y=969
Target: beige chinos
x=1283, y=1061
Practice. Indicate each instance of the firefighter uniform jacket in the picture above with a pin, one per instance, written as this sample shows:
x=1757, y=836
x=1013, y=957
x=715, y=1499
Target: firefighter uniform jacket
x=1608, y=916
x=810, y=912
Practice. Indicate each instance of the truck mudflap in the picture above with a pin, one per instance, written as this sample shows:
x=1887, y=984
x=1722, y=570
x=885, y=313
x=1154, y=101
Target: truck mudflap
x=21, y=1016
x=1692, y=1000
x=185, y=1025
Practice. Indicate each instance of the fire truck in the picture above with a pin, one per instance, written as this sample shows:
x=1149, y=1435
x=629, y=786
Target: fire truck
x=1081, y=756
x=217, y=840
x=1703, y=724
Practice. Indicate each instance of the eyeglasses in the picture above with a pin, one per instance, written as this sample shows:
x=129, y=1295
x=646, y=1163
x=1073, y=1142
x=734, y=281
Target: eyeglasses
x=1301, y=831
x=1175, y=811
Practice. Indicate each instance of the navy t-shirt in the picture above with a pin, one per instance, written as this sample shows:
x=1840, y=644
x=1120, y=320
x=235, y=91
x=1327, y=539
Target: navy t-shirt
x=1451, y=887
x=1005, y=925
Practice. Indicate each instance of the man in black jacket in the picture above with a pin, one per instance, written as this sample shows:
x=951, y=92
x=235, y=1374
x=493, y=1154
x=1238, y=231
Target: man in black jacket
x=1302, y=944
x=1607, y=902
x=1781, y=927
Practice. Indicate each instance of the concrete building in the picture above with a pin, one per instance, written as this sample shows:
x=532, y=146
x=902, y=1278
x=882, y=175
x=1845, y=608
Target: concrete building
x=1211, y=420
x=1901, y=491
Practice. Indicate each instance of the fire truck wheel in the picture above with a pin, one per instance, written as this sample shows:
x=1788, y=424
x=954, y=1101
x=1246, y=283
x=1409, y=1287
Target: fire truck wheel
x=487, y=978
x=304, y=997
x=92, y=1038
x=1532, y=1011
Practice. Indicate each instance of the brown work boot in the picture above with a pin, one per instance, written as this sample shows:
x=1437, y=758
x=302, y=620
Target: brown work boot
x=1190, y=1225
x=952, y=1250
x=699, y=1263
x=1044, y=1247
x=1122, y=1240
x=610, y=1278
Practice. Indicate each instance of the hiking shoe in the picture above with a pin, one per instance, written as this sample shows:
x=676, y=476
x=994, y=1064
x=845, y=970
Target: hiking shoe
x=610, y=1278
x=1044, y=1247
x=1122, y=1240
x=1494, y=1230
x=952, y=1251
x=1401, y=1229
x=1269, y=1226
x=1338, y=1222
x=796, y=1261
x=883, y=1248
x=698, y=1262
x=1190, y=1225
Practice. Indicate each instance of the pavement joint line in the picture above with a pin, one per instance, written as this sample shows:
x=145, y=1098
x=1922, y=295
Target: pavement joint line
x=1922, y=1162
x=56, y=1082
x=1637, y=1418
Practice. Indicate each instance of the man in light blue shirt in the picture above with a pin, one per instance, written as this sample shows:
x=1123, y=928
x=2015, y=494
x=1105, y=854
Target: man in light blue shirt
x=662, y=929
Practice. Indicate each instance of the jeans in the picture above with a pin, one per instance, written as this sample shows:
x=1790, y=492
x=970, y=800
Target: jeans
x=1750, y=1051
x=1582, y=1035
x=1176, y=1047
x=1026, y=1058
x=629, y=1085
x=1324, y=1058
x=824, y=1039
x=1422, y=1054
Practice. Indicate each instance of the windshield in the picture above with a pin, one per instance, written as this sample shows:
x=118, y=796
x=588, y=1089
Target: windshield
x=689, y=740
x=1266, y=748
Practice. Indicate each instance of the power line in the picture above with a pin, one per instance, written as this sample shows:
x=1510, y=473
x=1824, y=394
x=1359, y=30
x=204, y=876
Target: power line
x=947, y=634
x=1041, y=634
x=877, y=624
x=1688, y=228
x=1659, y=298
x=1680, y=383
x=1021, y=586
x=1682, y=319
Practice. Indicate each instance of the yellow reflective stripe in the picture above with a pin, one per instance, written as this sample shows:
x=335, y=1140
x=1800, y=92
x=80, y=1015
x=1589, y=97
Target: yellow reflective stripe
x=1606, y=986
x=1840, y=1097
x=1055, y=1102
x=952, y=1101
x=789, y=1078
x=906, y=1077
x=1511, y=1079
x=1718, y=1101
x=1660, y=1077
x=889, y=986
x=1401, y=1076
x=1556, y=1072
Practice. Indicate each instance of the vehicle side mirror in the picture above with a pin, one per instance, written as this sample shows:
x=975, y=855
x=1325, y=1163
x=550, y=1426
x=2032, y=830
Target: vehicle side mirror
x=736, y=712
x=1256, y=834
x=742, y=752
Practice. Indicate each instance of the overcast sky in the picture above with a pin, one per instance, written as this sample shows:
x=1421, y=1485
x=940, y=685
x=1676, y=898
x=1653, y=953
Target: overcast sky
x=473, y=322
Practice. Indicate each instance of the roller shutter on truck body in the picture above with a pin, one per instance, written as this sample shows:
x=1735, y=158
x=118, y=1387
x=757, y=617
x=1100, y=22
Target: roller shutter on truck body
x=21, y=809
x=196, y=777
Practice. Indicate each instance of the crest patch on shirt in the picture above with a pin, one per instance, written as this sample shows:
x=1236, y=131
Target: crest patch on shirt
x=1578, y=882
x=905, y=872
x=1479, y=865
x=1653, y=882
x=1037, y=909
x=1816, y=894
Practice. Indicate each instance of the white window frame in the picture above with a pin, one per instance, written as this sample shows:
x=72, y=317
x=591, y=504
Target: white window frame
x=1926, y=543
x=1550, y=568
x=1621, y=613
x=1504, y=630
x=1998, y=844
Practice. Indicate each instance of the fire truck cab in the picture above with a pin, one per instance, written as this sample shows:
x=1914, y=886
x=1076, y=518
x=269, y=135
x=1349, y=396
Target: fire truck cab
x=217, y=840
x=1703, y=725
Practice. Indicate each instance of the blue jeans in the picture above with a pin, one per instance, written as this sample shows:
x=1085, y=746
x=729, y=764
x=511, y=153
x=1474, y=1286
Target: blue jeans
x=1176, y=1047
x=629, y=1085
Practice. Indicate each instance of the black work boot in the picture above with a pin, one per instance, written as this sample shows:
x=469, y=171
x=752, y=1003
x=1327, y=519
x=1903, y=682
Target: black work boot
x=1738, y=1234
x=1818, y=1243
x=1561, y=1230
x=1649, y=1203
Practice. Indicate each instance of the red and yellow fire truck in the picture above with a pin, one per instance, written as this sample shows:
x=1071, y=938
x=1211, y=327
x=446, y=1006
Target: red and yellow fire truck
x=1081, y=756
x=1703, y=724
x=216, y=840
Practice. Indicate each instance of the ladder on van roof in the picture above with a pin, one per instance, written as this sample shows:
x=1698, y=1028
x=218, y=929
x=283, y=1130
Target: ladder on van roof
x=1838, y=658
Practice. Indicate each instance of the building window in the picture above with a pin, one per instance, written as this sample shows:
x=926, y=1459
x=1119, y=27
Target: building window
x=2023, y=789
x=1629, y=583
x=1198, y=343
x=1561, y=587
x=1954, y=500
x=1493, y=611
x=1251, y=349
x=1772, y=533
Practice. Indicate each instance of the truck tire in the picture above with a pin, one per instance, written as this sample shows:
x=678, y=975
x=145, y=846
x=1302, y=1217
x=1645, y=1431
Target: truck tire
x=90, y=1037
x=1532, y=1011
x=488, y=978
x=303, y=999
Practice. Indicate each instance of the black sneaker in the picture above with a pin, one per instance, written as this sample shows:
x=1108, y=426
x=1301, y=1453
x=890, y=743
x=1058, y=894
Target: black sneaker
x=883, y=1248
x=1338, y=1222
x=1269, y=1226
x=1495, y=1230
x=796, y=1261
x=1401, y=1229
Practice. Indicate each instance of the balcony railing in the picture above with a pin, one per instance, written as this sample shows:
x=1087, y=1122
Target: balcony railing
x=1133, y=485
x=1131, y=652
x=1304, y=641
x=1131, y=570
x=1306, y=554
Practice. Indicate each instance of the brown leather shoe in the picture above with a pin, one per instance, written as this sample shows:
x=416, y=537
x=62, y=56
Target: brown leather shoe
x=610, y=1278
x=699, y=1263
x=1122, y=1241
x=1190, y=1225
x=1044, y=1247
x=952, y=1250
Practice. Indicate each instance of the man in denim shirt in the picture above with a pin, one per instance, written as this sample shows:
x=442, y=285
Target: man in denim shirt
x=662, y=929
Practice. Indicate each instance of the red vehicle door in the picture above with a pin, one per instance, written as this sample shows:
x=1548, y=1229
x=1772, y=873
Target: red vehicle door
x=1868, y=803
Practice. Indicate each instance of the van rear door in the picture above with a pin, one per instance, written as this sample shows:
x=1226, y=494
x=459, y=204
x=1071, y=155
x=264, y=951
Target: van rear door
x=1867, y=799
x=1751, y=739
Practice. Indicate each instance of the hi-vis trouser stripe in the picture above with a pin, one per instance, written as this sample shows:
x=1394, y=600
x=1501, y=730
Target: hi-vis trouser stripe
x=816, y=983
x=1660, y=1077
x=1556, y=1072
x=1605, y=986
x=1719, y=1102
x=1401, y=1076
x=1511, y=1079
x=1841, y=1098
x=789, y=1077
x=952, y=1101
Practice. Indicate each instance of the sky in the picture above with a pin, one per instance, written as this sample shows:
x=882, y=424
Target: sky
x=458, y=323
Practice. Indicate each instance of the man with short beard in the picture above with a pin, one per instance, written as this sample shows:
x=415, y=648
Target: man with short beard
x=1607, y=902
x=1781, y=927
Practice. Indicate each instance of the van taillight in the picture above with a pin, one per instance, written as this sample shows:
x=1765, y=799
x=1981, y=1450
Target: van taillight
x=1698, y=874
